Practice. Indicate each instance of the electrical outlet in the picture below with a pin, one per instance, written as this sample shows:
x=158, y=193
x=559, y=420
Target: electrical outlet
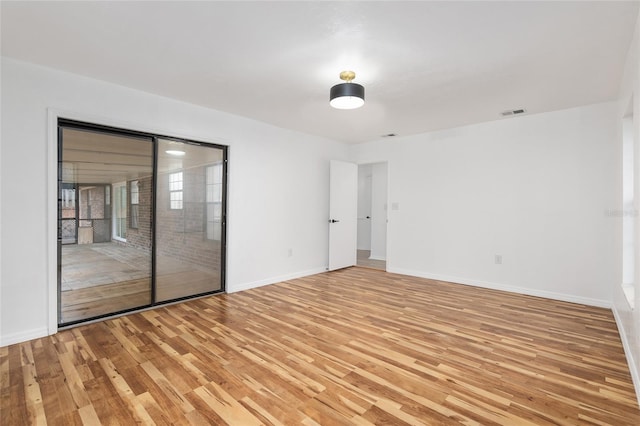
x=498, y=259
x=290, y=252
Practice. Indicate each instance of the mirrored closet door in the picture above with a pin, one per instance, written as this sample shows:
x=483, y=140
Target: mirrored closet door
x=188, y=219
x=140, y=220
x=105, y=254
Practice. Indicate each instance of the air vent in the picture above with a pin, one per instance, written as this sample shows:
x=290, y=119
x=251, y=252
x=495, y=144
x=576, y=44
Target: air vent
x=513, y=112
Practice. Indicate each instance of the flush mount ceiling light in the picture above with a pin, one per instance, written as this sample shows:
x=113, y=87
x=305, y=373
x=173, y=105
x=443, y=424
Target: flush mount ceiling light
x=347, y=95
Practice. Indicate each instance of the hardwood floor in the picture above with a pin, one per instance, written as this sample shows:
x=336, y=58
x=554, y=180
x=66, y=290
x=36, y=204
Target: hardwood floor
x=355, y=346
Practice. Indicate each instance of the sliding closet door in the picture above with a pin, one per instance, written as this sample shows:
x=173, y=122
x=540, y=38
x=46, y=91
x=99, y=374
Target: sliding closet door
x=189, y=219
x=105, y=185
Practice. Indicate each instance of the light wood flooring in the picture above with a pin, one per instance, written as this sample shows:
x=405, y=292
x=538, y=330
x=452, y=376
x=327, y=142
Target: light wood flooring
x=355, y=346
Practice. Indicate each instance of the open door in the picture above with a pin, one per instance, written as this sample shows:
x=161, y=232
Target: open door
x=343, y=214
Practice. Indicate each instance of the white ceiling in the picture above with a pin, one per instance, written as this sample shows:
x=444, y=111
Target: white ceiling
x=425, y=65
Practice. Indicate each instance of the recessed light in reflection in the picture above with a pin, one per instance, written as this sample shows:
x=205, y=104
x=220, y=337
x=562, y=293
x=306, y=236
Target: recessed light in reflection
x=175, y=152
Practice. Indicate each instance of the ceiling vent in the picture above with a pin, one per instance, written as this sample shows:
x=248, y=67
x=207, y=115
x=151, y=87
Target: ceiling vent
x=513, y=112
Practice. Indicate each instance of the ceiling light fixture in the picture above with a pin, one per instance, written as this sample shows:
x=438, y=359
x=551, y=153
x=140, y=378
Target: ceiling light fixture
x=175, y=152
x=347, y=95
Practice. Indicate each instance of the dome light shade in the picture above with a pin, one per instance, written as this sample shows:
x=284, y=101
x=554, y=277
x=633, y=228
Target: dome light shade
x=346, y=95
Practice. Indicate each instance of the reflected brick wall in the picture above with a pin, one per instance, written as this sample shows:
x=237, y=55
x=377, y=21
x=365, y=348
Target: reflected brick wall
x=140, y=237
x=182, y=233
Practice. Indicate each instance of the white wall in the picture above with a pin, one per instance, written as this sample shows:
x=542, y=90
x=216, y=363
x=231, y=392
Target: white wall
x=628, y=319
x=278, y=186
x=534, y=189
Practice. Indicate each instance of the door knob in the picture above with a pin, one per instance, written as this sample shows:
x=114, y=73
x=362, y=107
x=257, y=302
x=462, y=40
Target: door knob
x=333, y=221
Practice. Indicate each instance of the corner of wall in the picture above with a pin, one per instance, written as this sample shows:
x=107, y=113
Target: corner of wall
x=631, y=362
x=273, y=280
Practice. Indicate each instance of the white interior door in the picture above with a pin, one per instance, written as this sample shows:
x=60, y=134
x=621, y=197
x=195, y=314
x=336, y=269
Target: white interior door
x=343, y=214
x=120, y=211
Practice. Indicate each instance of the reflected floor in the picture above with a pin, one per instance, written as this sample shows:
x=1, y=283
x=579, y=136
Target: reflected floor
x=176, y=279
x=103, y=278
x=363, y=260
x=91, y=265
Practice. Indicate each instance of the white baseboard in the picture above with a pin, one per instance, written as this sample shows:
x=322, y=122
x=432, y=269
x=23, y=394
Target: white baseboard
x=631, y=363
x=512, y=289
x=23, y=336
x=372, y=257
x=273, y=280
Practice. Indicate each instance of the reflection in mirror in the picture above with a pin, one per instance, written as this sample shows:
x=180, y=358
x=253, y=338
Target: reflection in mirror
x=188, y=220
x=104, y=232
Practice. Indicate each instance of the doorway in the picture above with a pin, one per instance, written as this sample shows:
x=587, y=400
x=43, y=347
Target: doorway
x=372, y=216
x=140, y=220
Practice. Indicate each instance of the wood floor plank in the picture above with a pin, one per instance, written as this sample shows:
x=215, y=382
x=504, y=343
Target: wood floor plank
x=88, y=415
x=33, y=396
x=230, y=410
x=355, y=346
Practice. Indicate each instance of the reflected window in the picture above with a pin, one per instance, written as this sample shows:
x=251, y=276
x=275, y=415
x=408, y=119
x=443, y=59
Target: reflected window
x=68, y=198
x=135, y=200
x=175, y=190
x=214, y=201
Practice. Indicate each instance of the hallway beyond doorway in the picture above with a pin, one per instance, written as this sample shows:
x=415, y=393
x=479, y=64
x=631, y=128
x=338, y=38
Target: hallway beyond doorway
x=363, y=260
